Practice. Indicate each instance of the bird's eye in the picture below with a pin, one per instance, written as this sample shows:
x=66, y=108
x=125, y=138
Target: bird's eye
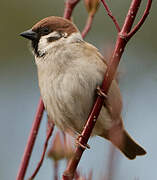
x=45, y=31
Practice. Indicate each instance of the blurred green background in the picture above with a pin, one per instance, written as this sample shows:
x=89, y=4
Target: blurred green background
x=19, y=91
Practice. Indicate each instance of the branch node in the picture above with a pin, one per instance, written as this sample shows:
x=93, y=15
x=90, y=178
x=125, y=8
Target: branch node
x=141, y=21
x=123, y=35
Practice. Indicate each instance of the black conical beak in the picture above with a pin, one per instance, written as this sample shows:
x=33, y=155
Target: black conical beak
x=29, y=34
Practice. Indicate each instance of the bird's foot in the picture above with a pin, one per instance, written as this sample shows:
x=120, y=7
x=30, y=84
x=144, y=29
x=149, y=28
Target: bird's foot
x=100, y=92
x=84, y=146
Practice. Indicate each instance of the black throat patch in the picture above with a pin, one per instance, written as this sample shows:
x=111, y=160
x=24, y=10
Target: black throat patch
x=35, y=47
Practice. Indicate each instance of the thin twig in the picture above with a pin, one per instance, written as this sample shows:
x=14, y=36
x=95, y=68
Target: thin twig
x=88, y=25
x=69, y=6
x=109, y=12
x=49, y=133
x=30, y=143
x=141, y=21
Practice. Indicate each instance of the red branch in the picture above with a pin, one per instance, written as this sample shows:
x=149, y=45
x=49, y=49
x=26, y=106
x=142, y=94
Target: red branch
x=49, y=133
x=120, y=45
x=109, y=76
x=109, y=12
x=30, y=143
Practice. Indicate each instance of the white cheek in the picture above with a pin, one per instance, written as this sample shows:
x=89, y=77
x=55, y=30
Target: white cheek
x=44, y=45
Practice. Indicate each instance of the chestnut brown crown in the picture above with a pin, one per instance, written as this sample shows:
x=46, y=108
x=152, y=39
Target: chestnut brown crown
x=54, y=23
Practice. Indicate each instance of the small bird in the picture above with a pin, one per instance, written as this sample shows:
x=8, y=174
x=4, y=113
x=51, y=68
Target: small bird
x=70, y=71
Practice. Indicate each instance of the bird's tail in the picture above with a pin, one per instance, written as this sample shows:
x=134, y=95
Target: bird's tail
x=126, y=144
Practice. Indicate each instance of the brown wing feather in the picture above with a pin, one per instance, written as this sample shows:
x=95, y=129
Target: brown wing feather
x=114, y=100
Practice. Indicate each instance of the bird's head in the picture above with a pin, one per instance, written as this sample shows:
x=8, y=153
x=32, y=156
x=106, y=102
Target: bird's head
x=51, y=32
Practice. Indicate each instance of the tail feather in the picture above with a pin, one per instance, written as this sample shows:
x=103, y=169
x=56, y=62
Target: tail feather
x=130, y=148
x=126, y=144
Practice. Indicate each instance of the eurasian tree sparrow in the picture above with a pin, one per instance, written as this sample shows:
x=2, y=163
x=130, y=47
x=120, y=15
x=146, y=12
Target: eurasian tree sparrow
x=69, y=71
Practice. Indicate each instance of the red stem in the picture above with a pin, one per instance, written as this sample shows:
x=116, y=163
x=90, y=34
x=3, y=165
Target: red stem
x=30, y=143
x=120, y=45
x=69, y=6
x=109, y=12
x=49, y=133
x=88, y=25
x=140, y=23
x=109, y=76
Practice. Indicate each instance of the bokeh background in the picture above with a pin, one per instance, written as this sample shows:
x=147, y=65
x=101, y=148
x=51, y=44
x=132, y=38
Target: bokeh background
x=19, y=92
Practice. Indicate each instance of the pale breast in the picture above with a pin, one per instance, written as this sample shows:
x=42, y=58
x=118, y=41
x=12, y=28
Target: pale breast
x=68, y=87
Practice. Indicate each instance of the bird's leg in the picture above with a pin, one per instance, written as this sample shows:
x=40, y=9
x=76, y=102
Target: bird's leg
x=100, y=92
x=84, y=146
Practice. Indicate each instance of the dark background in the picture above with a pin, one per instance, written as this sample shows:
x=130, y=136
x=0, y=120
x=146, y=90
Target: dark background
x=19, y=91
